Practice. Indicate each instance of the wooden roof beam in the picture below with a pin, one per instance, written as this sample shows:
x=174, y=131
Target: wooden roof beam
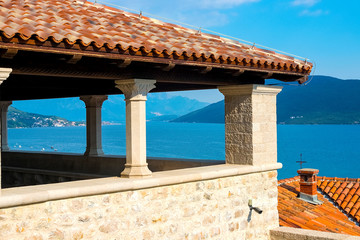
x=206, y=70
x=9, y=53
x=74, y=59
x=238, y=72
x=124, y=63
x=168, y=67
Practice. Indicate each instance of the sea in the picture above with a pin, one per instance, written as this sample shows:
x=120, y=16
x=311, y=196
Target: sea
x=333, y=149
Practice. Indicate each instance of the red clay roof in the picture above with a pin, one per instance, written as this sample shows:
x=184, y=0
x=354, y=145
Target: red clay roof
x=92, y=27
x=294, y=212
x=345, y=193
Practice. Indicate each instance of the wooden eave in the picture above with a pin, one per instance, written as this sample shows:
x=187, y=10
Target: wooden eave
x=72, y=70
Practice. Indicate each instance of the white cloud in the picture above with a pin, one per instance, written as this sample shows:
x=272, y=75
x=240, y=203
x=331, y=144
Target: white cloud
x=308, y=3
x=314, y=13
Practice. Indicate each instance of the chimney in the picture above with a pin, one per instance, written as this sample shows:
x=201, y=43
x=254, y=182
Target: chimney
x=308, y=188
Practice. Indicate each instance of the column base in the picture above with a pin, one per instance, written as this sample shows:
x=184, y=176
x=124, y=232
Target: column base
x=136, y=171
x=94, y=152
x=5, y=148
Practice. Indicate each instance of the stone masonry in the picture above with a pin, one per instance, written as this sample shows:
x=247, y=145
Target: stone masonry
x=250, y=124
x=211, y=209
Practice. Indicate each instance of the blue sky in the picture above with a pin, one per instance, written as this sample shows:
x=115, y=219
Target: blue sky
x=325, y=31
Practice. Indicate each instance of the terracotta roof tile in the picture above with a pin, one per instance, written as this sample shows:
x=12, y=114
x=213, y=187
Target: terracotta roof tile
x=86, y=23
x=346, y=194
x=294, y=212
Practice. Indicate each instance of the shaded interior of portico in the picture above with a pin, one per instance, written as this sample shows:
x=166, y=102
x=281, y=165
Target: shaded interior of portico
x=42, y=75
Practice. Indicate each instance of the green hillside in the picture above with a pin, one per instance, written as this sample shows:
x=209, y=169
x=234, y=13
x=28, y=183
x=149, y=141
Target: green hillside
x=214, y=113
x=113, y=110
x=325, y=100
x=20, y=119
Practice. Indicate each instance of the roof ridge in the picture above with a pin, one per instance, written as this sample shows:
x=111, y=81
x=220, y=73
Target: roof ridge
x=323, y=178
x=288, y=180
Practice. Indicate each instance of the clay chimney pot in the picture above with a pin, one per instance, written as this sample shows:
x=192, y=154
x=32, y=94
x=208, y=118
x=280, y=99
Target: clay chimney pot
x=308, y=187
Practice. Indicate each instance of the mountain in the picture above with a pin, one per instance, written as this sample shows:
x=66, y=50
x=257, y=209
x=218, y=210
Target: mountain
x=113, y=110
x=214, y=113
x=20, y=119
x=163, y=118
x=323, y=100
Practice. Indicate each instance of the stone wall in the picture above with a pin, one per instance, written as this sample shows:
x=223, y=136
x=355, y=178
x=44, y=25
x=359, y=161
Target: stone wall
x=211, y=209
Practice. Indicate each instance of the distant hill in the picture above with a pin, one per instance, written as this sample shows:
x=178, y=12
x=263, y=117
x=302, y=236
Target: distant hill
x=157, y=105
x=163, y=118
x=214, y=113
x=324, y=100
x=20, y=119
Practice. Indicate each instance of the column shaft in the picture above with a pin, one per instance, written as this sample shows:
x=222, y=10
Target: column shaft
x=4, y=105
x=250, y=124
x=4, y=74
x=93, y=124
x=135, y=91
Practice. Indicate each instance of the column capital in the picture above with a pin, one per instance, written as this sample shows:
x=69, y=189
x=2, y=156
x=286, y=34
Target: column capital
x=135, y=89
x=248, y=89
x=4, y=74
x=94, y=100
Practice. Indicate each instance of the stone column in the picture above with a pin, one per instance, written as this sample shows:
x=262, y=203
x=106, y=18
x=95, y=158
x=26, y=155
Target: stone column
x=250, y=124
x=4, y=74
x=4, y=105
x=93, y=124
x=135, y=91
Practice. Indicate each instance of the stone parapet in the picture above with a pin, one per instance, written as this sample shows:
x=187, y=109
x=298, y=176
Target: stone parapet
x=42, y=193
x=206, y=209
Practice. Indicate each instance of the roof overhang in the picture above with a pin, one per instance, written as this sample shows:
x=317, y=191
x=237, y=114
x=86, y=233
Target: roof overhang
x=78, y=48
x=68, y=71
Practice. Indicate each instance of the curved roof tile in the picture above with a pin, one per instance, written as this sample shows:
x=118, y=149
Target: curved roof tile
x=87, y=23
x=344, y=192
x=294, y=212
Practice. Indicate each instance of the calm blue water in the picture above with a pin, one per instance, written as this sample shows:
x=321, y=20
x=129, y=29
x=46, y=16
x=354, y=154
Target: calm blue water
x=333, y=149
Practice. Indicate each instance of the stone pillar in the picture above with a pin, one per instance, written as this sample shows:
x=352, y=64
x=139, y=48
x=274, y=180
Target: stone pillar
x=93, y=124
x=250, y=124
x=4, y=105
x=4, y=74
x=135, y=91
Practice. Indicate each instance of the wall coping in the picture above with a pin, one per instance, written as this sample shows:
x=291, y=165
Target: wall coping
x=287, y=233
x=19, y=196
